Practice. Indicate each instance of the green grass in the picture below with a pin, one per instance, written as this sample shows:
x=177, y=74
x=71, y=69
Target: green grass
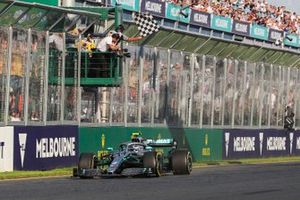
x=68, y=171
x=32, y=174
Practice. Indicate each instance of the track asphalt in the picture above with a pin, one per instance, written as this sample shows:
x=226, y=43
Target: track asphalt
x=241, y=182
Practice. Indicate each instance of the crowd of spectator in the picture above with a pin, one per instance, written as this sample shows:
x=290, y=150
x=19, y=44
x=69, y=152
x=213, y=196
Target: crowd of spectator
x=251, y=11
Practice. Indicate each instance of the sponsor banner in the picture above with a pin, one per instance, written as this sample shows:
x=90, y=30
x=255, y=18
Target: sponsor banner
x=241, y=28
x=154, y=7
x=6, y=149
x=98, y=139
x=240, y=143
x=132, y=5
x=294, y=139
x=175, y=12
x=221, y=23
x=204, y=144
x=200, y=18
x=48, y=2
x=275, y=143
x=259, y=32
x=292, y=40
x=45, y=147
x=275, y=35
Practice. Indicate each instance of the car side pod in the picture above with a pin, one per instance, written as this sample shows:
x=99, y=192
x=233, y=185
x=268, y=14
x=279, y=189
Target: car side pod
x=182, y=162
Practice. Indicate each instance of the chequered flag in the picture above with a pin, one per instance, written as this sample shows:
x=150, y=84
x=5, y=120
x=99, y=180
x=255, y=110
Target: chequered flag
x=146, y=24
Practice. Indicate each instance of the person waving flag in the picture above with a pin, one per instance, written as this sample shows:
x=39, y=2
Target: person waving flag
x=147, y=25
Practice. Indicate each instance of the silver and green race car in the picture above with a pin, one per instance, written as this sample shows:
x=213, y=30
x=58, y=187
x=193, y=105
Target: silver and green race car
x=136, y=157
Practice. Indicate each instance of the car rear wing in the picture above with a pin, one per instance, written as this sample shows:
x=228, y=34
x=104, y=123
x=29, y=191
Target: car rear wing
x=161, y=143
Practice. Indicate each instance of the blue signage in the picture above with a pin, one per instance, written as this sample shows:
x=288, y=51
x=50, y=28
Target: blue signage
x=275, y=143
x=154, y=7
x=45, y=147
x=294, y=142
x=243, y=143
x=241, y=28
x=240, y=143
x=200, y=18
x=275, y=35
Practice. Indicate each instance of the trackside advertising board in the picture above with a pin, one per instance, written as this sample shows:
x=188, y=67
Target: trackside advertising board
x=204, y=144
x=98, y=139
x=45, y=147
x=175, y=12
x=48, y=2
x=240, y=143
x=241, y=28
x=154, y=7
x=221, y=23
x=6, y=148
x=292, y=40
x=132, y=5
x=165, y=9
x=259, y=32
x=200, y=18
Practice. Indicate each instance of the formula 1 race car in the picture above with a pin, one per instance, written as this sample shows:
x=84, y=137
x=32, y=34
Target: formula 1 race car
x=136, y=157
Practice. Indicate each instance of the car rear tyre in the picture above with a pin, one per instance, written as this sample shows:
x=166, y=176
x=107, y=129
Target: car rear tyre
x=153, y=161
x=181, y=162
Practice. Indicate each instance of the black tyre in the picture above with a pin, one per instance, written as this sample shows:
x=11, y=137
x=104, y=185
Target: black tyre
x=153, y=161
x=86, y=161
x=182, y=162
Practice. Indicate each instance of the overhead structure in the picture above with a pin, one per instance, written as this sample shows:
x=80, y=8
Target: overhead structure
x=74, y=61
x=218, y=45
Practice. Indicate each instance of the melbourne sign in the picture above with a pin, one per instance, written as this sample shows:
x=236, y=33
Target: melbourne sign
x=241, y=143
x=275, y=35
x=41, y=148
x=154, y=7
x=200, y=18
x=241, y=28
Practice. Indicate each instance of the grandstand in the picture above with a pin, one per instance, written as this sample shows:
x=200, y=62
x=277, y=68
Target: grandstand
x=203, y=75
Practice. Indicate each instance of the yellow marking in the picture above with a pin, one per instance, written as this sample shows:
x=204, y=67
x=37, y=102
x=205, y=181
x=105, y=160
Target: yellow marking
x=159, y=136
x=206, y=151
x=103, y=141
x=206, y=139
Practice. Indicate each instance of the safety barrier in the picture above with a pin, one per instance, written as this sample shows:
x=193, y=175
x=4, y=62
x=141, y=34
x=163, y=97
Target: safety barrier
x=48, y=147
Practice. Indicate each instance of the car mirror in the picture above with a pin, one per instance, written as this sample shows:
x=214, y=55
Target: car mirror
x=109, y=149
